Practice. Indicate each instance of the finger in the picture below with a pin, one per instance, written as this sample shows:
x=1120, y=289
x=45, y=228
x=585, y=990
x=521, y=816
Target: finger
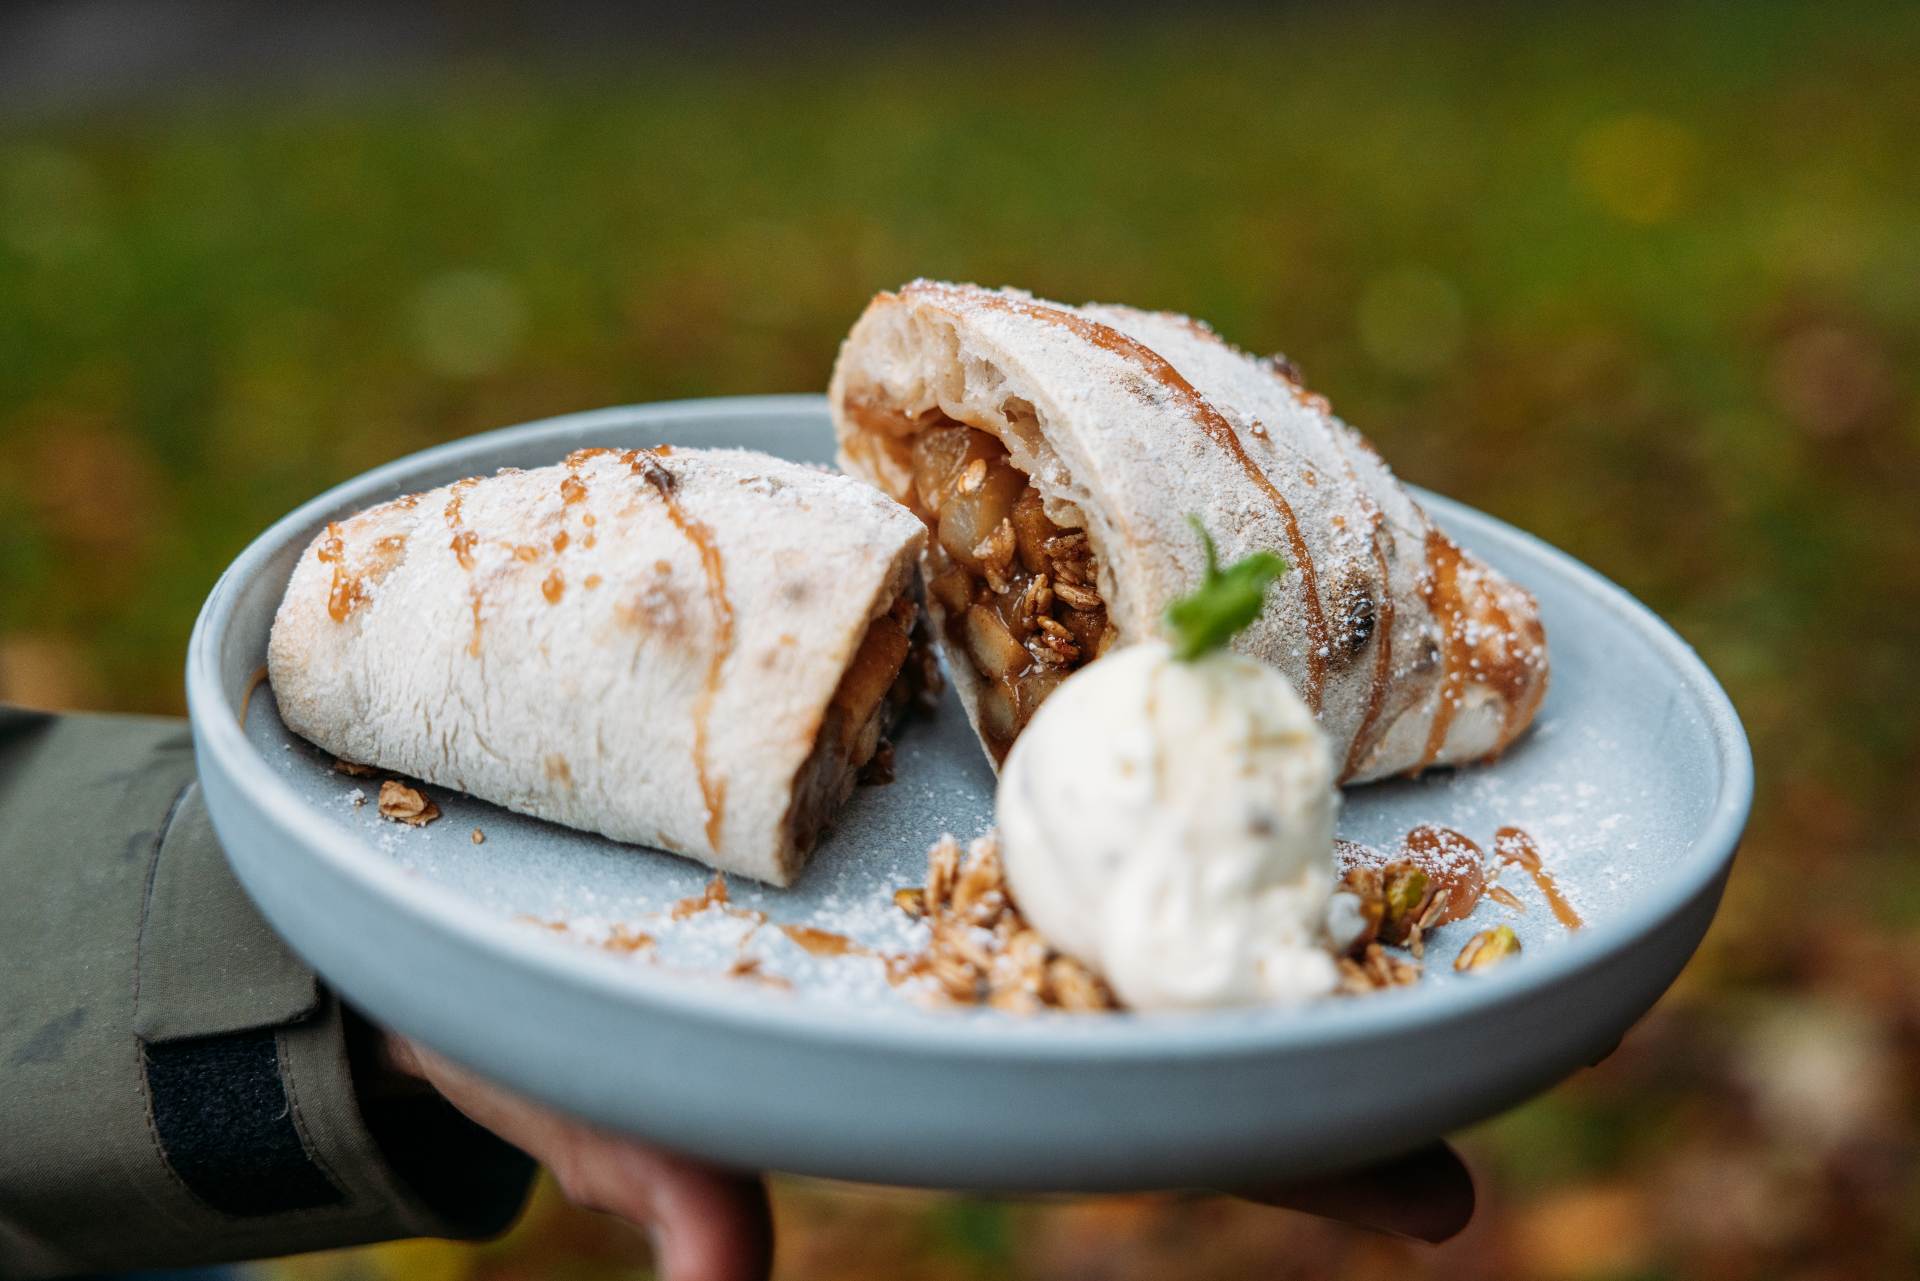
x=706, y=1224
x=1426, y=1195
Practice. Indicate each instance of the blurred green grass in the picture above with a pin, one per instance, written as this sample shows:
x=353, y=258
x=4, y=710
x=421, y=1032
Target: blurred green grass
x=1644, y=279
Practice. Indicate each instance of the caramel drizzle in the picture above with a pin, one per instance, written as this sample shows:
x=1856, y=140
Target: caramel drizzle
x=1503, y=675
x=1514, y=676
x=456, y=500
x=254, y=682
x=1444, y=602
x=346, y=591
x=462, y=544
x=716, y=895
x=823, y=942
x=1284, y=372
x=647, y=465
x=622, y=939
x=1514, y=846
x=1510, y=672
x=1363, y=736
x=1202, y=412
x=574, y=490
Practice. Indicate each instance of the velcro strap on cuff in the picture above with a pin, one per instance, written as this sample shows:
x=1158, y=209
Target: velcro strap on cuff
x=226, y=1126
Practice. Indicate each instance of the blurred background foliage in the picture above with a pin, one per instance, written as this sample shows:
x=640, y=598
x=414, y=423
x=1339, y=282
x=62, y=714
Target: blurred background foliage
x=1642, y=279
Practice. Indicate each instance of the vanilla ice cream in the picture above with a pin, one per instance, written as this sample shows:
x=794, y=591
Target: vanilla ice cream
x=1170, y=825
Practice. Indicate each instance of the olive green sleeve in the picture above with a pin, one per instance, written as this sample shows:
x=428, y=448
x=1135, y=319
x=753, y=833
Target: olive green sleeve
x=176, y=1087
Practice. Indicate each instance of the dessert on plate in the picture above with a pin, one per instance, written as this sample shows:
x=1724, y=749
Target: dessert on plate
x=1167, y=818
x=1056, y=453
x=697, y=650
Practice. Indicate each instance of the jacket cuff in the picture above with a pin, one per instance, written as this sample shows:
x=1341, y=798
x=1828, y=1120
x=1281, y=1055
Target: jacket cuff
x=175, y=1086
x=253, y=1092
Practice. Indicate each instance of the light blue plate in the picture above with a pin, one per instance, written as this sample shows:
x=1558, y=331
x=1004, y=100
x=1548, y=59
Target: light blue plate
x=1635, y=781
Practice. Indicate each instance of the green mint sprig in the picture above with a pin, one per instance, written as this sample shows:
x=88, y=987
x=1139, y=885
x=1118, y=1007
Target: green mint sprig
x=1226, y=600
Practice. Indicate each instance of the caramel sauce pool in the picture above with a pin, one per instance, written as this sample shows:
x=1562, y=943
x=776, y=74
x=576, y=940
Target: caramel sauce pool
x=1454, y=866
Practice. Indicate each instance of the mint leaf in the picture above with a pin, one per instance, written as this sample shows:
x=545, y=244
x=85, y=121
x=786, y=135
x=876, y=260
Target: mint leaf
x=1226, y=600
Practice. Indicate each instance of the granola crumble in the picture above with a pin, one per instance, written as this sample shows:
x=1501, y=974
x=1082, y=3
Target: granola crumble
x=1396, y=906
x=403, y=804
x=995, y=552
x=980, y=949
x=1374, y=971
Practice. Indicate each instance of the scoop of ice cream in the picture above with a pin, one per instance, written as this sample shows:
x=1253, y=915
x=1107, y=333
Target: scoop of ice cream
x=1170, y=824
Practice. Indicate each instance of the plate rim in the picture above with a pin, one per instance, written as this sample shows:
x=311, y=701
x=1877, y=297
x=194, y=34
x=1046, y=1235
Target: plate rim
x=880, y=1027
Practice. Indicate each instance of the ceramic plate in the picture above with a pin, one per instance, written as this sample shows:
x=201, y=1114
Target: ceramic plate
x=1635, y=782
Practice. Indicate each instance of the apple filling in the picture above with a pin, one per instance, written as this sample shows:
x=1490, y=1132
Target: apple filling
x=890, y=670
x=1018, y=591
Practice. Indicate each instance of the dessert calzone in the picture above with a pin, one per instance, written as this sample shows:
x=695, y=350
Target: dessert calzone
x=1057, y=453
x=696, y=649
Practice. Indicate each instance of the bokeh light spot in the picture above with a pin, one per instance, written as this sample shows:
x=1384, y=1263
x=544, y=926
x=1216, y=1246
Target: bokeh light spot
x=1830, y=380
x=1638, y=167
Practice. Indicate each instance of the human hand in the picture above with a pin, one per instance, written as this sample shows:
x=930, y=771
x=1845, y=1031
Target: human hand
x=706, y=1224
x=1426, y=1195
x=710, y=1225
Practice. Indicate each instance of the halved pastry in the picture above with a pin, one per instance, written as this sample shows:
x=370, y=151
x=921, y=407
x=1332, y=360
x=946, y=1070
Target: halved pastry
x=1057, y=452
x=696, y=650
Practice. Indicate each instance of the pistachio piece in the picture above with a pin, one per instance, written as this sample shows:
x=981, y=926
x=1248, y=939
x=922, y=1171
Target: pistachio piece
x=1488, y=948
x=1405, y=892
